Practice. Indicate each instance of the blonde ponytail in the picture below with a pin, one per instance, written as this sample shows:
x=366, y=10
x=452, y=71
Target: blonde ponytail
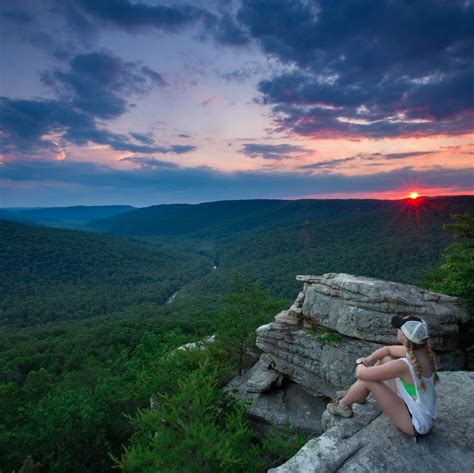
x=434, y=364
x=414, y=361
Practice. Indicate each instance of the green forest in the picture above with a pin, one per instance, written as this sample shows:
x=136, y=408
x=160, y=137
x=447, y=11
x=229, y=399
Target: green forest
x=88, y=338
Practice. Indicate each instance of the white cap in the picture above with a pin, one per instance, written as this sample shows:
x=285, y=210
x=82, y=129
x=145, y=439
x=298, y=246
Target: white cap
x=416, y=331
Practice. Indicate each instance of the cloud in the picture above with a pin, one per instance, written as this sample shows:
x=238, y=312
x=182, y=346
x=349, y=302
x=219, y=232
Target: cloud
x=153, y=184
x=409, y=154
x=276, y=152
x=361, y=157
x=224, y=30
x=86, y=19
x=129, y=16
x=149, y=162
x=372, y=69
x=329, y=163
x=25, y=124
x=28, y=127
x=95, y=86
x=99, y=83
x=143, y=138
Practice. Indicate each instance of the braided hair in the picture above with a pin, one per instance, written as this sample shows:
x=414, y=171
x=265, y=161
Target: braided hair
x=410, y=346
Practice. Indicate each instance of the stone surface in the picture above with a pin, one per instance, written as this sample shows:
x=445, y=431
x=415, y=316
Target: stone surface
x=281, y=401
x=362, y=307
x=369, y=442
x=200, y=344
x=262, y=376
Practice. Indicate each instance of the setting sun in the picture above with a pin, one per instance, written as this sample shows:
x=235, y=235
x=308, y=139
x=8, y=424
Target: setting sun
x=413, y=195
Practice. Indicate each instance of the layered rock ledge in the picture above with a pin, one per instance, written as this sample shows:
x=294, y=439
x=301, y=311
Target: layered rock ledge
x=309, y=352
x=339, y=317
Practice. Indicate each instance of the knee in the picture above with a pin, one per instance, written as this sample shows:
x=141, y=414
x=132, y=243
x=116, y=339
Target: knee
x=386, y=359
x=369, y=384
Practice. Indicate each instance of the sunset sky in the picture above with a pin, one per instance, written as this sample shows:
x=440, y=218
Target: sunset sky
x=149, y=102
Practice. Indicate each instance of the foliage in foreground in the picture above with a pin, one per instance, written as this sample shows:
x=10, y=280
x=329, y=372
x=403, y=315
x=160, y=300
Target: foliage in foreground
x=77, y=397
x=455, y=273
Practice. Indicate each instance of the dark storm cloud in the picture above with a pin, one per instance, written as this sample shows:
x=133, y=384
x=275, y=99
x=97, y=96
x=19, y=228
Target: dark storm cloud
x=119, y=142
x=36, y=22
x=95, y=86
x=24, y=122
x=375, y=68
x=127, y=15
x=99, y=83
x=21, y=17
x=224, y=30
x=82, y=21
x=277, y=152
x=136, y=16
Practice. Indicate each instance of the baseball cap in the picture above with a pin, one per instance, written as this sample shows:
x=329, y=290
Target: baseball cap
x=414, y=328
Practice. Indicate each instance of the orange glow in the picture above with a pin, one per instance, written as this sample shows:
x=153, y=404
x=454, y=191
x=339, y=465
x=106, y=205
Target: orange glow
x=413, y=195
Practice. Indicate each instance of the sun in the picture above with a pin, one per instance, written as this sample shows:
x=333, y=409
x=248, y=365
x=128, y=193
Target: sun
x=413, y=195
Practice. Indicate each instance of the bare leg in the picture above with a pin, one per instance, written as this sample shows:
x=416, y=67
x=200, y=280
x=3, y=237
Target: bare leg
x=388, y=399
x=391, y=404
x=358, y=392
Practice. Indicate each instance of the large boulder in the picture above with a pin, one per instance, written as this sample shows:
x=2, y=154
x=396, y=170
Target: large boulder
x=340, y=317
x=275, y=400
x=368, y=441
x=362, y=307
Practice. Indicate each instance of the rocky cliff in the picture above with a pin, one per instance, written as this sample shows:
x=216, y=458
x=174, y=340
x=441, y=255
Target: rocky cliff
x=309, y=352
x=340, y=317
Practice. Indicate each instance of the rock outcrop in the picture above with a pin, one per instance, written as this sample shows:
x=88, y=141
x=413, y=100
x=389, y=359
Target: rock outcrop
x=340, y=317
x=369, y=442
x=274, y=400
x=311, y=348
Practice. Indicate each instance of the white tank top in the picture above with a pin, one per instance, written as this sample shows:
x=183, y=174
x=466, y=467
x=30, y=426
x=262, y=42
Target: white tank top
x=423, y=409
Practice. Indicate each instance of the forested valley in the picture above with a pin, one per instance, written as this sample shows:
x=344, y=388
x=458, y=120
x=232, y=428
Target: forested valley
x=91, y=322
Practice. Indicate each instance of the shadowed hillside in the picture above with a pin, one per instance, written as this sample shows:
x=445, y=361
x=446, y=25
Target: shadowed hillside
x=224, y=218
x=51, y=274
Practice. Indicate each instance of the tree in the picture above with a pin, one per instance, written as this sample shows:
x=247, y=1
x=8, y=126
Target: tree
x=197, y=428
x=247, y=305
x=455, y=273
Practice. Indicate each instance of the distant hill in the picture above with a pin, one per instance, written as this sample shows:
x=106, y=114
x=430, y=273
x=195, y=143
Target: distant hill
x=63, y=217
x=396, y=245
x=213, y=220
x=51, y=274
x=224, y=218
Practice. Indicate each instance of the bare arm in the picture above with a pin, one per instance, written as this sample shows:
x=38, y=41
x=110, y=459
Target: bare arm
x=395, y=351
x=377, y=355
x=390, y=370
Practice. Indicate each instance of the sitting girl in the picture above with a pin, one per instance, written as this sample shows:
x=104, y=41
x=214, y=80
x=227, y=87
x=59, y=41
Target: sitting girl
x=409, y=397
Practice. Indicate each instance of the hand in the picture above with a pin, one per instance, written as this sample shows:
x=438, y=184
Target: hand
x=358, y=368
x=361, y=360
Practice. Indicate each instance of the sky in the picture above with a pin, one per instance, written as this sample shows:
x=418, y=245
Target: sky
x=157, y=102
